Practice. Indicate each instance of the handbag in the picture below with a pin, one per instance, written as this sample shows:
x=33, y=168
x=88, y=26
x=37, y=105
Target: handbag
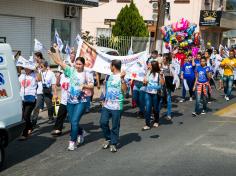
x=169, y=83
x=29, y=98
x=46, y=90
x=160, y=92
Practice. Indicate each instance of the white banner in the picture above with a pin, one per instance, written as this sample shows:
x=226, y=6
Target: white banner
x=133, y=65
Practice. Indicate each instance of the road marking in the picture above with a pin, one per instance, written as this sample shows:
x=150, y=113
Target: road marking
x=221, y=149
x=225, y=121
x=228, y=111
x=195, y=140
x=203, y=135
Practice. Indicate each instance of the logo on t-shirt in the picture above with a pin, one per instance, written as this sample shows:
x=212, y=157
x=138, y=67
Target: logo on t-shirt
x=25, y=83
x=2, y=81
x=65, y=85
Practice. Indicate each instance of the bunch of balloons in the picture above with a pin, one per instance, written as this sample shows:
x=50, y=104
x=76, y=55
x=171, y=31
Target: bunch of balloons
x=181, y=33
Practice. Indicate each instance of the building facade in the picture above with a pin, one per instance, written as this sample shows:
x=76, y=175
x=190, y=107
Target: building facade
x=23, y=20
x=99, y=20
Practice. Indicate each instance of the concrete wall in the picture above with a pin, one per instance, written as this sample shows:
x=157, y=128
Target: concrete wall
x=42, y=14
x=93, y=18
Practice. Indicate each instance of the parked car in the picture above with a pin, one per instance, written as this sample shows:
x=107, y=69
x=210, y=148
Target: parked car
x=108, y=51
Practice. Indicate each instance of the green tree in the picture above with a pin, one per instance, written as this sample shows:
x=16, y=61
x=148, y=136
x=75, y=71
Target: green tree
x=130, y=23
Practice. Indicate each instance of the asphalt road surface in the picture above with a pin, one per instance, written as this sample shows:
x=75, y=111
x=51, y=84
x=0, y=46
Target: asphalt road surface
x=202, y=146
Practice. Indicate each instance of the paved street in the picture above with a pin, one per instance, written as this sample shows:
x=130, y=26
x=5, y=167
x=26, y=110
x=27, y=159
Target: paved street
x=203, y=146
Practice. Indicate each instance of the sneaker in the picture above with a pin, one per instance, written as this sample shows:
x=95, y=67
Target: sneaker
x=56, y=133
x=146, y=128
x=190, y=99
x=194, y=114
x=71, y=146
x=203, y=112
x=181, y=101
x=80, y=139
x=226, y=98
x=209, y=102
x=106, y=144
x=155, y=125
x=113, y=148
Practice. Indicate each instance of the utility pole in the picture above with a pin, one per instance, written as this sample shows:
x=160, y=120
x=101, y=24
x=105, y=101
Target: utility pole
x=160, y=23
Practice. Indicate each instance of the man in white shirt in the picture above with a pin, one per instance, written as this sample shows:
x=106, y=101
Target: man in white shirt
x=45, y=92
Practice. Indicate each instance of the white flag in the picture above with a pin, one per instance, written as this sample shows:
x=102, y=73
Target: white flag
x=58, y=40
x=130, y=52
x=38, y=46
x=78, y=38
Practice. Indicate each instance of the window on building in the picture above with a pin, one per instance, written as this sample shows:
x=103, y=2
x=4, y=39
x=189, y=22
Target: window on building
x=104, y=32
x=182, y=1
x=63, y=28
x=124, y=1
x=231, y=5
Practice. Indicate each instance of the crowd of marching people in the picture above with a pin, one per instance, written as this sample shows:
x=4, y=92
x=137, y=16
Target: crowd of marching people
x=196, y=74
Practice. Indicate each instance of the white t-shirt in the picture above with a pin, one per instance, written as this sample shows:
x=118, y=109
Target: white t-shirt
x=64, y=82
x=28, y=85
x=48, y=78
x=40, y=84
x=153, y=83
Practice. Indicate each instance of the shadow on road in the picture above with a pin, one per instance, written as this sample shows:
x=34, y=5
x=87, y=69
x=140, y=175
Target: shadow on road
x=19, y=151
x=129, y=138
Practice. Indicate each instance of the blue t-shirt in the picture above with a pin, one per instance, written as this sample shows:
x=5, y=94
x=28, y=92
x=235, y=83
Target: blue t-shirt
x=188, y=71
x=202, y=74
x=197, y=62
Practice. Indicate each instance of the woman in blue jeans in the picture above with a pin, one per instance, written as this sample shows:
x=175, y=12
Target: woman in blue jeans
x=138, y=97
x=202, y=86
x=153, y=82
x=188, y=77
x=79, y=81
x=169, y=86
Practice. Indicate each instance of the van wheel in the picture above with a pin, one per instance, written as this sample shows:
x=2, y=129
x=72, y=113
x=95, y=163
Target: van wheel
x=2, y=156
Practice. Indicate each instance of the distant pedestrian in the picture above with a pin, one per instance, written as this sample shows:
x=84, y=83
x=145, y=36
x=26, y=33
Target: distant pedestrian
x=228, y=64
x=153, y=82
x=28, y=86
x=201, y=87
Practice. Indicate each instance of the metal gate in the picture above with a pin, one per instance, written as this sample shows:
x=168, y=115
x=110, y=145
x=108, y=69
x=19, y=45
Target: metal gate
x=124, y=43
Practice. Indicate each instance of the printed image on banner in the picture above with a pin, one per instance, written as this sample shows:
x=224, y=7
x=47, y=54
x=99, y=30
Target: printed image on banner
x=136, y=67
x=89, y=54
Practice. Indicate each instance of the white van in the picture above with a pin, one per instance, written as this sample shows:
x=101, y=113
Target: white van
x=11, y=124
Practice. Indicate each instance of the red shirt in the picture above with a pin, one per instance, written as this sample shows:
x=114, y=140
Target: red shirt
x=181, y=57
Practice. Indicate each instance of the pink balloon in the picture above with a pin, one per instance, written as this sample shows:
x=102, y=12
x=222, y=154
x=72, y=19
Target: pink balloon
x=195, y=51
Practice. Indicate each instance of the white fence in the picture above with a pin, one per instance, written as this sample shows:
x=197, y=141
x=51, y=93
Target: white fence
x=124, y=43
